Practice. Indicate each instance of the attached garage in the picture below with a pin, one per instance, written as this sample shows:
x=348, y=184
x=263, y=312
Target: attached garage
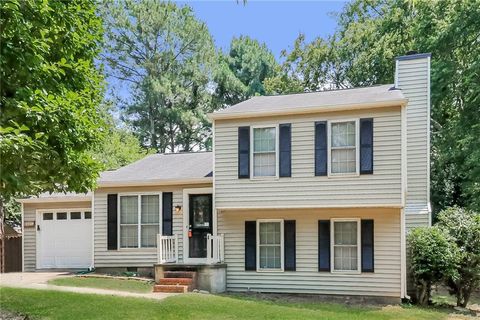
x=57, y=232
x=64, y=238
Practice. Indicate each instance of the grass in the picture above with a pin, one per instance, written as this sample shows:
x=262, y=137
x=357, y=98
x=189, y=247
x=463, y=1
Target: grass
x=104, y=283
x=45, y=304
x=441, y=296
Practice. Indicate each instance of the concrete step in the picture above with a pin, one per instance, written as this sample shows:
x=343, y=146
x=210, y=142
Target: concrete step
x=170, y=288
x=176, y=281
x=179, y=274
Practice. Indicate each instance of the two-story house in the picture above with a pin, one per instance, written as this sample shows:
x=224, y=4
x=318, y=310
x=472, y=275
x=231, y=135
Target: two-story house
x=303, y=193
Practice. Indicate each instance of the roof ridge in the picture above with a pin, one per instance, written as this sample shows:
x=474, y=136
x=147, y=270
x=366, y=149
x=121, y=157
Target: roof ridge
x=182, y=152
x=321, y=91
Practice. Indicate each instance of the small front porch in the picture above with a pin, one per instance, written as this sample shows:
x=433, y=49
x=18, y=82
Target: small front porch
x=207, y=273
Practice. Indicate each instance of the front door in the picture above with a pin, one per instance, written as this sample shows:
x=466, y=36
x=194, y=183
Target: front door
x=200, y=224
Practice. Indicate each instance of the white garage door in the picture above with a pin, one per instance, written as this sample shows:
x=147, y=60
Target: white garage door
x=64, y=239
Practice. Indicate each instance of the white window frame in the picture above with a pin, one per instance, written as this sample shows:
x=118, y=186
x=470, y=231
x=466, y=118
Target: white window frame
x=282, y=245
x=357, y=148
x=332, y=245
x=277, y=142
x=139, y=221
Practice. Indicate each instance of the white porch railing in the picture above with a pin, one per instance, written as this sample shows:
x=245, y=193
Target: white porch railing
x=167, y=249
x=215, y=248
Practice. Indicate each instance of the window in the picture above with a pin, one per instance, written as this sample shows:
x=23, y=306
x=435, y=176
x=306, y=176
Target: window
x=270, y=245
x=150, y=220
x=87, y=215
x=48, y=216
x=265, y=152
x=139, y=221
x=346, y=249
x=61, y=216
x=75, y=215
x=343, y=147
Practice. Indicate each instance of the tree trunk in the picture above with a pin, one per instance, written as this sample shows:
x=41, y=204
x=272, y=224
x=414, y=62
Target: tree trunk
x=153, y=136
x=423, y=292
x=172, y=138
x=466, y=292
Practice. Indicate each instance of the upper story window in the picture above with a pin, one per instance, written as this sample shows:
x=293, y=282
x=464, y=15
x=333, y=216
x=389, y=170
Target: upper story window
x=139, y=220
x=343, y=147
x=264, y=152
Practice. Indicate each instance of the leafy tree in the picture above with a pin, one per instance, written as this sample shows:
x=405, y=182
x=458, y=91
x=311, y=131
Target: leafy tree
x=163, y=55
x=119, y=148
x=361, y=52
x=464, y=228
x=309, y=67
x=49, y=91
x=433, y=257
x=241, y=73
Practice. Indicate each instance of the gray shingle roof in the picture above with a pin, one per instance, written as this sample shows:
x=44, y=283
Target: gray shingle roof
x=322, y=99
x=162, y=167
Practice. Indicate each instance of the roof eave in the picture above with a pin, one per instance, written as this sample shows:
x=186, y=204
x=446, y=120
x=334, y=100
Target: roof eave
x=56, y=199
x=156, y=182
x=308, y=110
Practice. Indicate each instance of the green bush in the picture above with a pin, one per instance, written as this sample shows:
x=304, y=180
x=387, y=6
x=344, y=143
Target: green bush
x=464, y=227
x=433, y=258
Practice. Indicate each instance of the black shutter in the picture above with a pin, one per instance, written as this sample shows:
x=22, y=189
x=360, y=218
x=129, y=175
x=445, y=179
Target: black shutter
x=285, y=150
x=250, y=245
x=243, y=152
x=321, y=148
x=324, y=245
x=367, y=246
x=366, y=146
x=112, y=214
x=289, y=244
x=167, y=212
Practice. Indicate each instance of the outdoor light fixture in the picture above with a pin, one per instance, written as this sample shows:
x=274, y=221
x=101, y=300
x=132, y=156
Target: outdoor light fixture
x=178, y=209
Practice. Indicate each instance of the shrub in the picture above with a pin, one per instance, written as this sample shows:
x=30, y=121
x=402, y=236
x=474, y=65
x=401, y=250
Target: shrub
x=464, y=227
x=433, y=257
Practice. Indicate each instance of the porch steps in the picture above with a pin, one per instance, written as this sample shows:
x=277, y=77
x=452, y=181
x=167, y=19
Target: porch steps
x=176, y=281
x=170, y=288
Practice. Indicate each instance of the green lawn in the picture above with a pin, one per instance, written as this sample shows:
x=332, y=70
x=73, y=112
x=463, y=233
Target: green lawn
x=65, y=305
x=104, y=283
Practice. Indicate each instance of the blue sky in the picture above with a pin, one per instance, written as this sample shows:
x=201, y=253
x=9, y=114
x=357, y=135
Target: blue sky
x=277, y=23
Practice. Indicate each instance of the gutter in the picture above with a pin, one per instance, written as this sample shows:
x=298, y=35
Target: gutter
x=142, y=183
x=306, y=110
x=55, y=199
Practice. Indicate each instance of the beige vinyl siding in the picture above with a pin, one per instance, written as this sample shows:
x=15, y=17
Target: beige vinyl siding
x=303, y=188
x=385, y=281
x=413, y=79
x=142, y=257
x=30, y=233
x=416, y=216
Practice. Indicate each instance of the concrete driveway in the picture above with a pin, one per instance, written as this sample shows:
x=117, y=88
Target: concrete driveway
x=29, y=279
x=39, y=280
